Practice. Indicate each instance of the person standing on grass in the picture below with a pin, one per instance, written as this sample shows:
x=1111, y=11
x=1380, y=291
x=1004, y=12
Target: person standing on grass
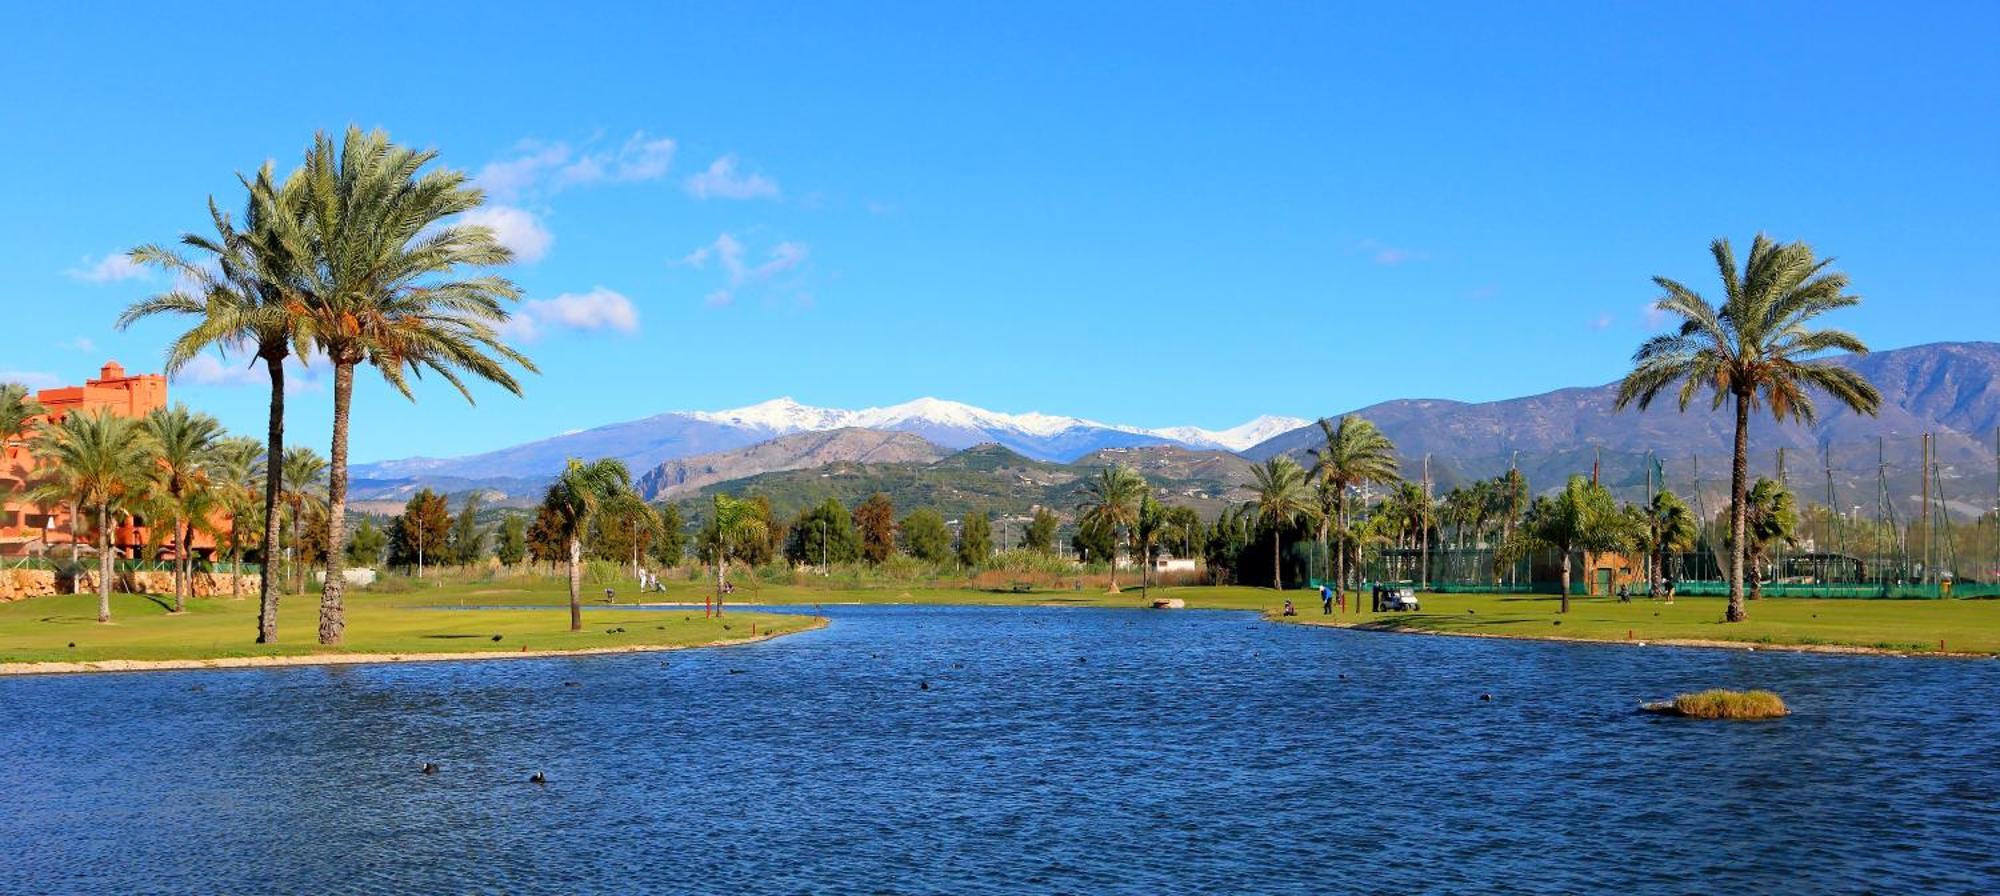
x=1325, y=600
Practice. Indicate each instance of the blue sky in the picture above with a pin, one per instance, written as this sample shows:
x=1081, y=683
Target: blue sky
x=1150, y=214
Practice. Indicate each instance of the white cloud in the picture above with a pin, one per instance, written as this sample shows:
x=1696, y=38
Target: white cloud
x=1654, y=317
x=33, y=379
x=517, y=229
x=109, y=269
x=730, y=255
x=81, y=343
x=721, y=181
x=1602, y=322
x=554, y=166
x=598, y=309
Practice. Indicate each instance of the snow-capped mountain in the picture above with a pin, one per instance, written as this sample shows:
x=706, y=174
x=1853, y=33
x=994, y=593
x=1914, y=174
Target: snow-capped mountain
x=645, y=444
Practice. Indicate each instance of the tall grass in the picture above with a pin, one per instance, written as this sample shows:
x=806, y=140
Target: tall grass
x=1723, y=704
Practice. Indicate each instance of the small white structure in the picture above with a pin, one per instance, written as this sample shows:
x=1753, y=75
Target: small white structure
x=1164, y=562
x=357, y=576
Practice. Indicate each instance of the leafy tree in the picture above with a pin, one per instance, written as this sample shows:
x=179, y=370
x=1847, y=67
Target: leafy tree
x=627, y=529
x=1041, y=534
x=379, y=289
x=975, y=540
x=1582, y=517
x=1753, y=348
x=545, y=538
x=512, y=546
x=925, y=536
x=466, y=542
x=1351, y=453
x=240, y=474
x=1281, y=500
x=422, y=533
x=824, y=535
x=365, y=546
x=1111, y=506
x=1228, y=540
x=672, y=543
x=876, y=518
x=1182, y=532
x=1095, y=539
x=574, y=501
x=184, y=492
x=102, y=463
x=242, y=297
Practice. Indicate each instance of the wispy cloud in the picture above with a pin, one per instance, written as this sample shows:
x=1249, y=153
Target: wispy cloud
x=243, y=370
x=1384, y=254
x=722, y=181
x=1653, y=316
x=729, y=255
x=538, y=167
x=598, y=309
x=516, y=228
x=33, y=379
x=80, y=344
x=1602, y=321
x=111, y=268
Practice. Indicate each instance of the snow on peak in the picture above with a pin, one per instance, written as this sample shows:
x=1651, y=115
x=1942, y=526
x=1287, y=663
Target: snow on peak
x=782, y=416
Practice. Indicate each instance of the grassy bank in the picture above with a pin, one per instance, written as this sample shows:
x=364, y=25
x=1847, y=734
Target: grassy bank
x=41, y=629
x=1903, y=626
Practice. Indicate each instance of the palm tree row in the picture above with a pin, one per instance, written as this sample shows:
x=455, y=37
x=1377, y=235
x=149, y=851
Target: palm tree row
x=353, y=258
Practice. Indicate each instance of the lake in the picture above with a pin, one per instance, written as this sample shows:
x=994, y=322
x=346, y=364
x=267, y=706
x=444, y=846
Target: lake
x=1055, y=750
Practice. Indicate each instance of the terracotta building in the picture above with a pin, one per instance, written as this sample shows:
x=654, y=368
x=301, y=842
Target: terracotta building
x=27, y=529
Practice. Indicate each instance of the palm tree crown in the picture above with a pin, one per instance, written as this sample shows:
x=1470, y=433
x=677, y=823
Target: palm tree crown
x=574, y=500
x=1111, y=504
x=102, y=463
x=1281, y=500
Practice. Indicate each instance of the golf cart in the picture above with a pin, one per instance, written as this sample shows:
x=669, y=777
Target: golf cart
x=1397, y=598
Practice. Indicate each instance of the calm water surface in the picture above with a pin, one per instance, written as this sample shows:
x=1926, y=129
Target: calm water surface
x=1078, y=751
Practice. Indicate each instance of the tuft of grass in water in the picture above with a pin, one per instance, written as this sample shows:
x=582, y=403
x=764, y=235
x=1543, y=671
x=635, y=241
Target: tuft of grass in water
x=1723, y=704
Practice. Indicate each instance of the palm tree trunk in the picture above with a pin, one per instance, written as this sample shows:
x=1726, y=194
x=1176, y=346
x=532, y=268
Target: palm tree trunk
x=1114, y=560
x=1565, y=579
x=75, y=580
x=575, y=584
x=1340, y=554
x=1739, y=487
x=182, y=569
x=332, y=612
x=274, y=456
x=1277, y=570
x=103, y=563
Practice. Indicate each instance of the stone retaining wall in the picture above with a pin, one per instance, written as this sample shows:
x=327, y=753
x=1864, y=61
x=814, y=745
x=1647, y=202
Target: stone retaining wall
x=16, y=584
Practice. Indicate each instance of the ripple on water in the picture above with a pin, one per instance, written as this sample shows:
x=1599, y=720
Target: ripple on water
x=1078, y=751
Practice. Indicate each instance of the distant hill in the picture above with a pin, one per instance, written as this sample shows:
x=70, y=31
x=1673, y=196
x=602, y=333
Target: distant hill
x=798, y=451
x=1946, y=388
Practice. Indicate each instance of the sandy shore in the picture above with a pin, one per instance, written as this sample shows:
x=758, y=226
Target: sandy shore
x=1751, y=646
x=348, y=659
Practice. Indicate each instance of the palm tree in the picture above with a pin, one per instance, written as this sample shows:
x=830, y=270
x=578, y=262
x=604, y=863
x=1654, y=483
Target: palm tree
x=1147, y=527
x=1111, y=504
x=1582, y=517
x=1281, y=500
x=382, y=290
x=1772, y=518
x=239, y=475
x=1351, y=453
x=303, y=490
x=1666, y=526
x=577, y=497
x=1752, y=348
x=244, y=298
x=185, y=492
x=100, y=462
x=17, y=410
x=736, y=526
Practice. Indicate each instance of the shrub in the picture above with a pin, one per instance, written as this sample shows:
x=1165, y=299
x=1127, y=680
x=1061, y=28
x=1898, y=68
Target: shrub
x=1722, y=704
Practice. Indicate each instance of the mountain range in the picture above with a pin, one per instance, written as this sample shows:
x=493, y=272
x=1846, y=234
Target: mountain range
x=1944, y=388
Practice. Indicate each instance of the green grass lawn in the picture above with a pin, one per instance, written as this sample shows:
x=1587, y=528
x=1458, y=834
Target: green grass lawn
x=42, y=628
x=531, y=612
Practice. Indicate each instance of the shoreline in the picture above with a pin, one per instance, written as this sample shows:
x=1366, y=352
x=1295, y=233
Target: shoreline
x=1699, y=643
x=72, y=667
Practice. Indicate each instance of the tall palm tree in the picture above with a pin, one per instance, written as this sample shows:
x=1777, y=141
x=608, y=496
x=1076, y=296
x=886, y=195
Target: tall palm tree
x=383, y=289
x=1753, y=348
x=1281, y=500
x=576, y=498
x=1351, y=453
x=1772, y=517
x=102, y=463
x=243, y=297
x=736, y=526
x=239, y=476
x=185, y=491
x=1147, y=527
x=1111, y=503
x=302, y=478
